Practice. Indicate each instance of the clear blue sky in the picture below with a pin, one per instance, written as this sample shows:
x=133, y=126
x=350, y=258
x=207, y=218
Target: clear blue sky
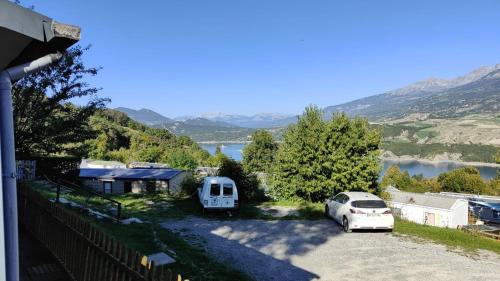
x=185, y=57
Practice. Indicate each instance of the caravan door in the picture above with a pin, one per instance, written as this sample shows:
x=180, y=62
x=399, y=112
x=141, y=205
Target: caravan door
x=227, y=195
x=215, y=196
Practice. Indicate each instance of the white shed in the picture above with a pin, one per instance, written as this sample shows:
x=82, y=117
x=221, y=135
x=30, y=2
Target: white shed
x=429, y=209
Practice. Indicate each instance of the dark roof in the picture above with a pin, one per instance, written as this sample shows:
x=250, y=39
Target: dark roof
x=136, y=174
x=27, y=35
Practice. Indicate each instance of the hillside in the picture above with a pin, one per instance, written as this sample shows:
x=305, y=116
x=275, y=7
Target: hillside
x=123, y=139
x=198, y=129
x=145, y=116
x=475, y=93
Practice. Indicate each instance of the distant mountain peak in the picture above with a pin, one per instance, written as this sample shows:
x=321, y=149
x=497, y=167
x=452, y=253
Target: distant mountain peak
x=259, y=120
x=477, y=92
x=435, y=84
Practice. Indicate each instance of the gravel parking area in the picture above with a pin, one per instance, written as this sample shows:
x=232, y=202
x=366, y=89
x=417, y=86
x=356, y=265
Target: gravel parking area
x=319, y=250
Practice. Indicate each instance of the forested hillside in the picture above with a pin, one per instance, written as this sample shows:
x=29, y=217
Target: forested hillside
x=123, y=139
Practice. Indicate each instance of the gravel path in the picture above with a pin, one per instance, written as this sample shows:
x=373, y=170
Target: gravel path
x=319, y=250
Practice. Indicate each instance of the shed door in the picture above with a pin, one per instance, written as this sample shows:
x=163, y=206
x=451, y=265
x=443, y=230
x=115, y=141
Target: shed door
x=127, y=187
x=107, y=187
x=430, y=218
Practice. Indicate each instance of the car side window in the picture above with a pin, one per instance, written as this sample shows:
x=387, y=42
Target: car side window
x=337, y=198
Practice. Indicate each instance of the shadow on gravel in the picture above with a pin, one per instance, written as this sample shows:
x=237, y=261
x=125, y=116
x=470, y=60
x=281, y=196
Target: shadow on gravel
x=263, y=249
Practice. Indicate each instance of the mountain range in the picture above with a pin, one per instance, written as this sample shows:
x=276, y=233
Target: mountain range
x=199, y=129
x=477, y=92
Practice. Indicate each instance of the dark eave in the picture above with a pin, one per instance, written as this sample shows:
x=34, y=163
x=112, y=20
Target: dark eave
x=26, y=35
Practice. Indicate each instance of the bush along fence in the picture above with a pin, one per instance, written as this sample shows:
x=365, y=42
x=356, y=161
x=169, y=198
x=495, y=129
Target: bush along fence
x=86, y=253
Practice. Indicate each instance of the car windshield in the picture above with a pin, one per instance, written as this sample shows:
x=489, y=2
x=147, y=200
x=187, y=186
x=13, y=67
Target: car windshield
x=374, y=204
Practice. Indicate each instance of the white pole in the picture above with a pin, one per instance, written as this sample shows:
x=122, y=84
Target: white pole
x=8, y=159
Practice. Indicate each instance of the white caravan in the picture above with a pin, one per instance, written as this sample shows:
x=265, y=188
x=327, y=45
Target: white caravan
x=218, y=193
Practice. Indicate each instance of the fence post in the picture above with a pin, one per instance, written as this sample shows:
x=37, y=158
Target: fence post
x=58, y=193
x=119, y=211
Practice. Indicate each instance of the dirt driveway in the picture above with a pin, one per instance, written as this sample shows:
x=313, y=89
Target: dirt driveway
x=319, y=250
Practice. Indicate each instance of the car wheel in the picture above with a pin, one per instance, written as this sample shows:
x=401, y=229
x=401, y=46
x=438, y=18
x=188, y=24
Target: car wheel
x=345, y=225
x=327, y=211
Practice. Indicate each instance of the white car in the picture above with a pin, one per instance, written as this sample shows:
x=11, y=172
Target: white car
x=359, y=210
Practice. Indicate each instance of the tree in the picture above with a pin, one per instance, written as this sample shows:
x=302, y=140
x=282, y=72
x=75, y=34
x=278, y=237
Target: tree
x=296, y=172
x=351, y=151
x=218, y=159
x=182, y=160
x=45, y=120
x=465, y=180
x=402, y=181
x=318, y=159
x=258, y=156
x=246, y=183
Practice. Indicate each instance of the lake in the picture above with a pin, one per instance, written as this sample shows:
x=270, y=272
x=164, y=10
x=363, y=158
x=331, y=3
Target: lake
x=234, y=150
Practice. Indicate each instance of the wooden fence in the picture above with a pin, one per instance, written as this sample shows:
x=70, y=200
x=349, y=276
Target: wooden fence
x=86, y=253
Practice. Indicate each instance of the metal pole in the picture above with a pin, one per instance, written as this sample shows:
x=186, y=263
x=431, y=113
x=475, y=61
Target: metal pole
x=8, y=159
x=3, y=264
x=9, y=178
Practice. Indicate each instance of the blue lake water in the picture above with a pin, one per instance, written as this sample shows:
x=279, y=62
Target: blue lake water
x=234, y=150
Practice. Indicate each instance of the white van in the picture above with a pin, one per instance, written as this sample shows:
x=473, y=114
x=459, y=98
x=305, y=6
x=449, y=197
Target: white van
x=218, y=193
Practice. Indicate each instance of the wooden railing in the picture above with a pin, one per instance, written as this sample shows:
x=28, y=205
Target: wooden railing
x=64, y=184
x=86, y=253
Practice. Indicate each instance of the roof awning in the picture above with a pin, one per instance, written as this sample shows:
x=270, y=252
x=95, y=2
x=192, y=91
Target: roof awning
x=27, y=35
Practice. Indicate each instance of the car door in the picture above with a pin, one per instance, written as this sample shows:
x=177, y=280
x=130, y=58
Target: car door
x=340, y=211
x=334, y=205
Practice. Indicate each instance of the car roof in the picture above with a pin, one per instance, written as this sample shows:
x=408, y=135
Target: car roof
x=358, y=195
x=219, y=180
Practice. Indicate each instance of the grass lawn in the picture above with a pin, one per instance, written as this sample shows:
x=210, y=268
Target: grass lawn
x=193, y=262
x=147, y=238
x=453, y=238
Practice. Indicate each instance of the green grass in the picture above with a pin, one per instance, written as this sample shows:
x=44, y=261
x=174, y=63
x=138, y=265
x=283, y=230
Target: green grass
x=147, y=238
x=422, y=134
x=192, y=262
x=452, y=238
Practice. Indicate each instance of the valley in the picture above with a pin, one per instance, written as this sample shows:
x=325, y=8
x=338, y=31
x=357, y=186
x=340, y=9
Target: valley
x=433, y=119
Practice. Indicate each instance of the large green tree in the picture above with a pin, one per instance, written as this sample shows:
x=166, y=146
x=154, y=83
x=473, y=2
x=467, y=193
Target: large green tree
x=466, y=180
x=258, y=156
x=320, y=158
x=46, y=120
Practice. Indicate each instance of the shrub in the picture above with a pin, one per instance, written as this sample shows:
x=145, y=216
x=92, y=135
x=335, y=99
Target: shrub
x=190, y=185
x=247, y=183
x=466, y=180
x=258, y=156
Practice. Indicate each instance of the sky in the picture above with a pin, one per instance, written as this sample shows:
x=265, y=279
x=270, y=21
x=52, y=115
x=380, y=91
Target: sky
x=184, y=57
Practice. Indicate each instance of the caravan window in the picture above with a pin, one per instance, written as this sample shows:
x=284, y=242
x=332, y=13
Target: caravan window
x=227, y=189
x=214, y=189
